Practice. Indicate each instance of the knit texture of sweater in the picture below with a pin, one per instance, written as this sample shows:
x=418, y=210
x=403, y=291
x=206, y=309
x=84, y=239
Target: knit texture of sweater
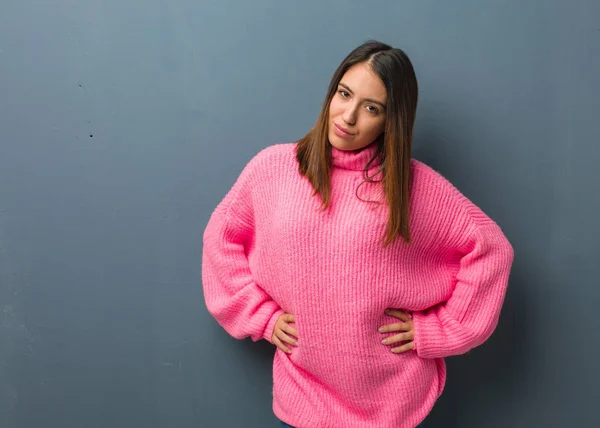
x=270, y=248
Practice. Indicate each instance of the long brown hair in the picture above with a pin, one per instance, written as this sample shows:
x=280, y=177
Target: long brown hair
x=394, y=145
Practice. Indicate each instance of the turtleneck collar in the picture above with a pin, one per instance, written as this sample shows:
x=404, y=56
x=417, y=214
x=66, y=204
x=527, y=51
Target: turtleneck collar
x=354, y=160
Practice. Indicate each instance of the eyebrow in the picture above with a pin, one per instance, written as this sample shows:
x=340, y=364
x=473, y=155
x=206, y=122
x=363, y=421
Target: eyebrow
x=366, y=99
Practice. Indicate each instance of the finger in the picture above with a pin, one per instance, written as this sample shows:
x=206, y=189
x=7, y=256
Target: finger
x=280, y=345
x=403, y=337
x=285, y=338
x=290, y=330
x=289, y=318
x=403, y=348
x=399, y=326
x=398, y=314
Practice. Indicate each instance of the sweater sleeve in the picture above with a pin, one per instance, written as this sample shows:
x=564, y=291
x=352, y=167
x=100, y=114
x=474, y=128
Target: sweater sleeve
x=231, y=294
x=470, y=315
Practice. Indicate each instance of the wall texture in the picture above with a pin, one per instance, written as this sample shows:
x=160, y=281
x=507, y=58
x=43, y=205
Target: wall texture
x=123, y=123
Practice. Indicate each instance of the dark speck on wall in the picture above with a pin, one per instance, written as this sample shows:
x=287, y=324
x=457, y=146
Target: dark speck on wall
x=91, y=135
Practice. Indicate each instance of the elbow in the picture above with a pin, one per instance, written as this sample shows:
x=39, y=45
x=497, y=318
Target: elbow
x=506, y=251
x=509, y=253
x=223, y=317
x=216, y=308
x=213, y=309
x=482, y=333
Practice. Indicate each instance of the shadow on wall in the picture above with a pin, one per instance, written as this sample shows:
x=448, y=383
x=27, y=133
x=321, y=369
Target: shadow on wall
x=481, y=379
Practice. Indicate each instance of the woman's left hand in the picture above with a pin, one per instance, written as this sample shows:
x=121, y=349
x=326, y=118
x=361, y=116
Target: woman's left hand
x=406, y=327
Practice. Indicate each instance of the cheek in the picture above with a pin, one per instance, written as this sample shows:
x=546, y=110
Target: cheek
x=374, y=127
x=334, y=108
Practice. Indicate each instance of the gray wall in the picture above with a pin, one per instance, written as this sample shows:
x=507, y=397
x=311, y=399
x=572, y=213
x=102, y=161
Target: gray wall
x=123, y=123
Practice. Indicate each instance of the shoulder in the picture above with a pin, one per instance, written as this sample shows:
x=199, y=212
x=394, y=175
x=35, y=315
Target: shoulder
x=255, y=177
x=425, y=173
x=275, y=152
x=432, y=188
x=271, y=158
x=268, y=162
x=424, y=177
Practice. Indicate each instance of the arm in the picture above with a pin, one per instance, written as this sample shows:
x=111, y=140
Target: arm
x=470, y=315
x=232, y=296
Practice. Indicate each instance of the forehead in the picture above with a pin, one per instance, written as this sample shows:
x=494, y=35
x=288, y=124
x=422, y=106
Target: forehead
x=364, y=82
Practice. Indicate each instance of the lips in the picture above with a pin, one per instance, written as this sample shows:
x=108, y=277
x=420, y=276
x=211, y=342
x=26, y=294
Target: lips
x=341, y=131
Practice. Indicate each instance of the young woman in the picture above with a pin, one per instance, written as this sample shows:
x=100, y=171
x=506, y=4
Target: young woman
x=363, y=266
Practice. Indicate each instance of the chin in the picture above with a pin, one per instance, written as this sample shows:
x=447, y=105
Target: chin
x=340, y=143
x=345, y=145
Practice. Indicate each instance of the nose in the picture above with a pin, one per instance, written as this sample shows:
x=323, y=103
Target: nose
x=349, y=115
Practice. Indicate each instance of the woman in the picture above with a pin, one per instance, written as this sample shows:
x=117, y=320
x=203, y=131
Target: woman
x=363, y=266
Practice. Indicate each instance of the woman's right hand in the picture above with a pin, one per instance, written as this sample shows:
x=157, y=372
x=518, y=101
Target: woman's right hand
x=284, y=333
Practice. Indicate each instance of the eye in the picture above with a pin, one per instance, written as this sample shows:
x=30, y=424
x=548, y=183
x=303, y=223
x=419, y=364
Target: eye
x=373, y=109
x=344, y=93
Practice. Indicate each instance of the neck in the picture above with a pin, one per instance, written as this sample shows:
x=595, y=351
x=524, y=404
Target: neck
x=354, y=160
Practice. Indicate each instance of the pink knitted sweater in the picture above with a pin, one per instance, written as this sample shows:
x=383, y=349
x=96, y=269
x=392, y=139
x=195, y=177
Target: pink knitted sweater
x=268, y=248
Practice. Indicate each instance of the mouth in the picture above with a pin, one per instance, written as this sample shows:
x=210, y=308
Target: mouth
x=341, y=131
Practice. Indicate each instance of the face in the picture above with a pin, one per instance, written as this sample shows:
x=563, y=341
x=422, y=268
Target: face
x=357, y=109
